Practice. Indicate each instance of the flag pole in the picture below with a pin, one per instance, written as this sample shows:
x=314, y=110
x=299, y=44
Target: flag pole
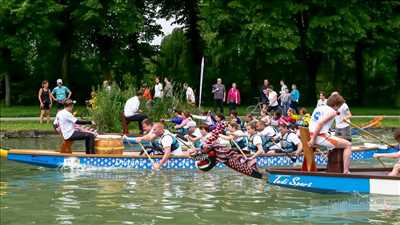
x=201, y=80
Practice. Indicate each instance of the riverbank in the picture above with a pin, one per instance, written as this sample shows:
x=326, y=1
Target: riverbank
x=33, y=111
x=22, y=121
x=33, y=129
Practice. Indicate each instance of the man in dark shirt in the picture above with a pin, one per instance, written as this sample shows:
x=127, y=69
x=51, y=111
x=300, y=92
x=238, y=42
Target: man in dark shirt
x=219, y=92
x=264, y=94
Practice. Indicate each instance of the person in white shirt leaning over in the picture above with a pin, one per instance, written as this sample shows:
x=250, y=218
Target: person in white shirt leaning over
x=133, y=113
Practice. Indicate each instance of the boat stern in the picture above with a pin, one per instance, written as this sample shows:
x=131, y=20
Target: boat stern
x=370, y=181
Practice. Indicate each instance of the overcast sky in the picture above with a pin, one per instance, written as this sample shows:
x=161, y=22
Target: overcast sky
x=167, y=28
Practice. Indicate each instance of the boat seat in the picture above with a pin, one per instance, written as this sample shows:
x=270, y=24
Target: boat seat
x=65, y=146
x=335, y=161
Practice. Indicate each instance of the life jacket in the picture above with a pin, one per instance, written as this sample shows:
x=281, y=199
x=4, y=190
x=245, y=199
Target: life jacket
x=197, y=144
x=269, y=141
x=182, y=131
x=266, y=142
x=243, y=142
x=287, y=145
x=157, y=146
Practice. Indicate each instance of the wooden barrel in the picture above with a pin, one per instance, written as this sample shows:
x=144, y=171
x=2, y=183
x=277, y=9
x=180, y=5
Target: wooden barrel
x=109, y=144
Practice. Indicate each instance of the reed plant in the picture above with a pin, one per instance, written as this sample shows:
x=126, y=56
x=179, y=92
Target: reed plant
x=110, y=105
x=164, y=108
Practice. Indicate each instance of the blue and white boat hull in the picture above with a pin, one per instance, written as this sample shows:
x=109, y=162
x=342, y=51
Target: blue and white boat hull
x=132, y=160
x=371, y=181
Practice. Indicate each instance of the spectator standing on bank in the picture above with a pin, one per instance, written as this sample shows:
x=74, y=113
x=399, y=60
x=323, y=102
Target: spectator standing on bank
x=272, y=99
x=190, y=98
x=60, y=94
x=283, y=87
x=285, y=101
x=294, y=98
x=219, y=92
x=233, y=97
x=158, y=89
x=45, y=101
x=322, y=99
x=264, y=94
x=167, y=88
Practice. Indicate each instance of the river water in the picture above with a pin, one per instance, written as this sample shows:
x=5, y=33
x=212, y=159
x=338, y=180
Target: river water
x=34, y=195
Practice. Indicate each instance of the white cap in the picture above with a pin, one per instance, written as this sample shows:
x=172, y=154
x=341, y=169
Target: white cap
x=59, y=81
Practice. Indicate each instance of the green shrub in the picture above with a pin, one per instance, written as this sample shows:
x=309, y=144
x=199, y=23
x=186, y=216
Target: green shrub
x=161, y=109
x=110, y=105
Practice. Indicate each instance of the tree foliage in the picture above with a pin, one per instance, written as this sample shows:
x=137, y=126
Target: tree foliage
x=316, y=44
x=328, y=45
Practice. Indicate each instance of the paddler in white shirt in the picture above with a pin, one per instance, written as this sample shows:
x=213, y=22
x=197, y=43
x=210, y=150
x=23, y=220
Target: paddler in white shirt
x=342, y=121
x=161, y=140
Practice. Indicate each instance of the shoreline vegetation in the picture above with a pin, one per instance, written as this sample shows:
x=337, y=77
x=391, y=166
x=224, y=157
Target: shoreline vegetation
x=35, y=129
x=34, y=111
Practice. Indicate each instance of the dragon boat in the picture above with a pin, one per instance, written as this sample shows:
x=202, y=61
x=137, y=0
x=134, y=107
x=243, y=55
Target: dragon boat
x=361, y=180
x=133, y=159
x=332, y=179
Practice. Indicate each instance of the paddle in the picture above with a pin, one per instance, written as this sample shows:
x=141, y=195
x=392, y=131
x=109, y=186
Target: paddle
x=144, y=150
x=383, y=164
x=184, y=143
x=369, y=134
x=147, y=154
x=238, y=147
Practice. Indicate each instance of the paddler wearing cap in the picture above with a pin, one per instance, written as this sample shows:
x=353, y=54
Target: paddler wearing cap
x=65, y=124
x=60, y=94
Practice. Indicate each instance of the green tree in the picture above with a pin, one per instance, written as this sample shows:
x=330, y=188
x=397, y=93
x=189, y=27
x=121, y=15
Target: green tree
x=24, y=38
x=186, y=13
x=174, y=57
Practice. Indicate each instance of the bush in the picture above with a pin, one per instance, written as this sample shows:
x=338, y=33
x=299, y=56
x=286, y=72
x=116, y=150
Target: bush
x=110, y=105
x=161, y=109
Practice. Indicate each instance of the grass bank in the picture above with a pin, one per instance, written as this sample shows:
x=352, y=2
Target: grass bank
x=34, y=111
x=31, y=111
x=11, y=126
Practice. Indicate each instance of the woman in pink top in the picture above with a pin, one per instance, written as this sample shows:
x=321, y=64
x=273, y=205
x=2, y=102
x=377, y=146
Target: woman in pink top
x=233, y=97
